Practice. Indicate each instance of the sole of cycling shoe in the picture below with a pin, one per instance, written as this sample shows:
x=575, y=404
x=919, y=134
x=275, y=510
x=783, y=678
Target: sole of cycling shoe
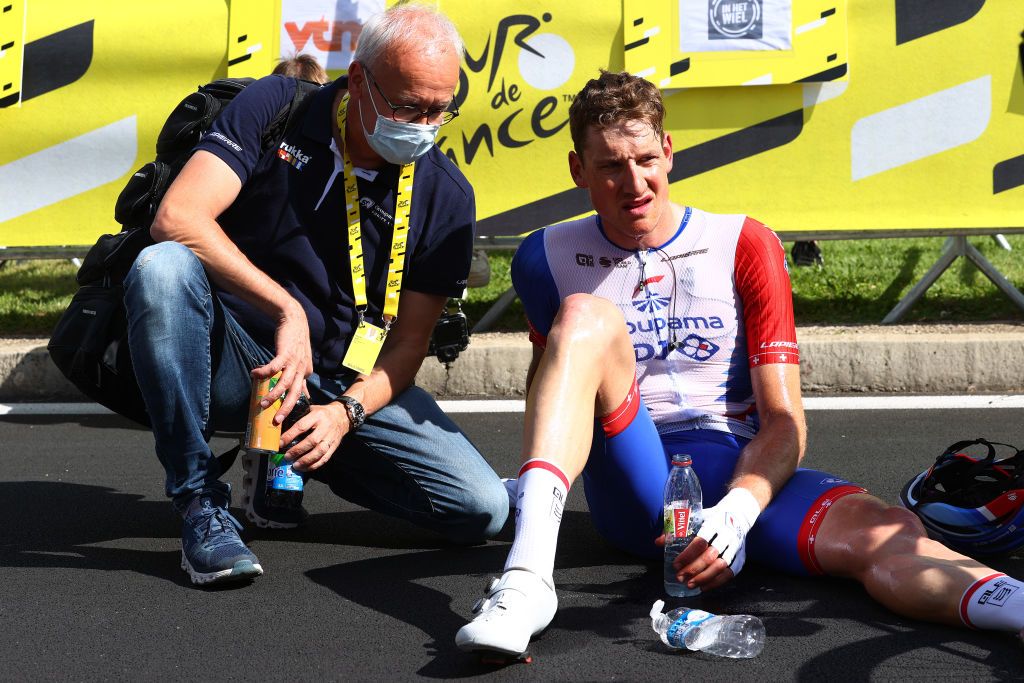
x=250, y=481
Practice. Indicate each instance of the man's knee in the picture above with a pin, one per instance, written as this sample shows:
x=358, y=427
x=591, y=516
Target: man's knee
x=160, y=273
x=481, y=516
x=589, y=319
x=868, y=531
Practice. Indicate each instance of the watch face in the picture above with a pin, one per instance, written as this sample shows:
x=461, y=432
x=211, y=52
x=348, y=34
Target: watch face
x=355, y=411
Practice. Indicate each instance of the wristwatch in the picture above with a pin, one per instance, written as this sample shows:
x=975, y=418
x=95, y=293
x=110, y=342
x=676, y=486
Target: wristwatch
x=356, y=414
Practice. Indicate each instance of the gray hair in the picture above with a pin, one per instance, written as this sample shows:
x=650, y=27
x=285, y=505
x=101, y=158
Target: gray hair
x=407, y=24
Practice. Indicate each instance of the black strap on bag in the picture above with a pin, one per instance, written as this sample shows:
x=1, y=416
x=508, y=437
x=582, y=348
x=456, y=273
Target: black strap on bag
x=90, y=341
x=137, y=204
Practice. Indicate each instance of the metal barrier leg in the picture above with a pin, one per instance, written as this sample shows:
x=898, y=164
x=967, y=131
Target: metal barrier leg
x=997, y=278
x=951, y=251
x=495, y=311
x=954, y=248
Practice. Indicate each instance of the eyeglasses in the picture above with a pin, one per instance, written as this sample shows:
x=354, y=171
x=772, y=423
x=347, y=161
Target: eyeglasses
x=409, y=114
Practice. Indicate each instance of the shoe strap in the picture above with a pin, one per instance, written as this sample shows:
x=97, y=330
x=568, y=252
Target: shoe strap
x=492, y=595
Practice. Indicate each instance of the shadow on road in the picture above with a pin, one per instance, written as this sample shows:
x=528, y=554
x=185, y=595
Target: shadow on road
x=416, y=578
x=65, y=525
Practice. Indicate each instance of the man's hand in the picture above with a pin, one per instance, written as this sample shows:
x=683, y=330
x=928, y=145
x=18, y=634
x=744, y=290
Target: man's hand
x=322, y=430
x=294, y=360
x=718, y=552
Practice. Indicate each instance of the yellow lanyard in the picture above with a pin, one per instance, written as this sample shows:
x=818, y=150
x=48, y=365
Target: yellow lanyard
x=403, y=200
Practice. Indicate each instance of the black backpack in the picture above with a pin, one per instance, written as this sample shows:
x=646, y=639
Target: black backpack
x=90, y=341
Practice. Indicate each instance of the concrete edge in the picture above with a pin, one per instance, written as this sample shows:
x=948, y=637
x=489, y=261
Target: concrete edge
x=832, y=360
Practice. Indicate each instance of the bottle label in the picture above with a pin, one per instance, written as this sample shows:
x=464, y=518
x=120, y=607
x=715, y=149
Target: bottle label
x=677, y=521
x=281, y=477
x=686, y=621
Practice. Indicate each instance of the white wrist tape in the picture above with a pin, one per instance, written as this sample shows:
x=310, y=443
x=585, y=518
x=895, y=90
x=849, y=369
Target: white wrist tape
x=742, y=502
x=726, y=526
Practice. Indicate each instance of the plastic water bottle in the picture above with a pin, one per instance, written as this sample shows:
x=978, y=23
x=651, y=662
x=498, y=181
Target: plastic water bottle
x=684, y=513
x=285, y=485
x=739, y=636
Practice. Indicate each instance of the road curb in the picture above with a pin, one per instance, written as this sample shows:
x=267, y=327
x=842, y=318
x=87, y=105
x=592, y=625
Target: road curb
x=905, y=359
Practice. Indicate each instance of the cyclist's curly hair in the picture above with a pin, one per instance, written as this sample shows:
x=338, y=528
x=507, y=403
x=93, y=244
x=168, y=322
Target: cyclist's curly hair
x=611, y=98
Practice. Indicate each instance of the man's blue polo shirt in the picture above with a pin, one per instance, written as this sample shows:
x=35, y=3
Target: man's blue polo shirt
x=289, y=218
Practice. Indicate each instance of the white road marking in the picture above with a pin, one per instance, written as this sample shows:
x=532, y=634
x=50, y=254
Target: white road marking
x=868, y=402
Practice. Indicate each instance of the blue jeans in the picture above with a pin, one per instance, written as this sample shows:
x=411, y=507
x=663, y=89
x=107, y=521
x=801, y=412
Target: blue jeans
x=193, y=360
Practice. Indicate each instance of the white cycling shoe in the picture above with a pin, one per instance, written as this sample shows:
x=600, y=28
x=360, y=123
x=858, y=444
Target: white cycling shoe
x=514, y=609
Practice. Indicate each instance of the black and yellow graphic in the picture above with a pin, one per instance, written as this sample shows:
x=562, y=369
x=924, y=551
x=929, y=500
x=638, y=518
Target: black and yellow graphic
x=98, y=81
x=657, y=42
x=919, y=135
x=918, y=18
x=906, y=115
x=57, y=60
x=253, y=37
x=1008, y=174
x=12, y=48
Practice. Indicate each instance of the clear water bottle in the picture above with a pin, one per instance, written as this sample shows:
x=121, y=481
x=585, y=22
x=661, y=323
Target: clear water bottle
x=684, y=514
x=738, y=636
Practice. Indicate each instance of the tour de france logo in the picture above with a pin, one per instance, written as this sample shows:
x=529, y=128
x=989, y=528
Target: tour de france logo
x=732, y=19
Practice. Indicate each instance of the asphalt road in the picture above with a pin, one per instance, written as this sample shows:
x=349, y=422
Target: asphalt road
x=90, y=586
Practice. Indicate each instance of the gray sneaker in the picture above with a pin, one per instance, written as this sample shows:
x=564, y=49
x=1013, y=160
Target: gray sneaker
x=211, y=550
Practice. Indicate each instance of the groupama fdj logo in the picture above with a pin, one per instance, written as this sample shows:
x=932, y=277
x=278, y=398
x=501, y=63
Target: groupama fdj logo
x=514, y=114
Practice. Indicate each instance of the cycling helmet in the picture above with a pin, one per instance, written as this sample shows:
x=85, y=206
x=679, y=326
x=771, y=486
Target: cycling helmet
x=974, y=505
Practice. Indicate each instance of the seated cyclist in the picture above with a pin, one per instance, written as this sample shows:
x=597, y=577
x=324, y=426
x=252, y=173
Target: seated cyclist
x=673, y=327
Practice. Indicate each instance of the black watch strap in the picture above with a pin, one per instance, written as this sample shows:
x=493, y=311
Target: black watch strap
x=356, y=413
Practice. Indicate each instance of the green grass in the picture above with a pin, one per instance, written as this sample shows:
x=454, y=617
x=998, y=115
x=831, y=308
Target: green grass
x=863, y=280
x=33, y=294
x=860, y=282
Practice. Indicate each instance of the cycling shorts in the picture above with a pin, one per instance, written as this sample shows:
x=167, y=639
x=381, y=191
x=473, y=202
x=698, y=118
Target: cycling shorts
x=624, y=482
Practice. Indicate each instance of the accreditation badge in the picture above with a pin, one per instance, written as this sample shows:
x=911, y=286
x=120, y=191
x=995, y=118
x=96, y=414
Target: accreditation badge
x=365, y=347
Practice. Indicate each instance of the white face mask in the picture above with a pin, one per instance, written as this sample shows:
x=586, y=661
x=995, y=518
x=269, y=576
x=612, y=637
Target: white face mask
x=399, y=143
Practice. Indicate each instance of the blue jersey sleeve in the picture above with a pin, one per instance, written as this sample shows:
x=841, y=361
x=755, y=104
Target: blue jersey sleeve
x=534, y=284
x=236, y=134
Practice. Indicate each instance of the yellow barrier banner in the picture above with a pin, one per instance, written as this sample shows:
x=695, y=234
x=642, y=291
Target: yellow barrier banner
x=922, y=130
x=925, y=133
x=99, y=81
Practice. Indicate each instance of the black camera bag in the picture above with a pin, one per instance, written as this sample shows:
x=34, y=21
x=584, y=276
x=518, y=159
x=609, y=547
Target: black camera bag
x=90, y=341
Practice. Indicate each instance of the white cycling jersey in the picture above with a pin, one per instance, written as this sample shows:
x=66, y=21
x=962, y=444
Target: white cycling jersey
x=701, y=309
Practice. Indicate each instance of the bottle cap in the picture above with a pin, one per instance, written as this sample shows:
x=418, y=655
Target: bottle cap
x=656, y=613
x=682, y=460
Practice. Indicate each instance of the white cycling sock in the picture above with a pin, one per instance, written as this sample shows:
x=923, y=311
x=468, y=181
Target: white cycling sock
x=995, y=602
x=539, y=502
